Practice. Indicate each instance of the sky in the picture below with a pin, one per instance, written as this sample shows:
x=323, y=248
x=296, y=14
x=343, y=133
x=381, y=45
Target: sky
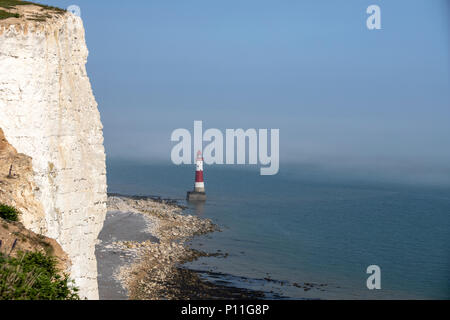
x=339, y=93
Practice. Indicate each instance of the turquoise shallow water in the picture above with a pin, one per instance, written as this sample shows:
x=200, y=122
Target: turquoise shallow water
x=298, y=227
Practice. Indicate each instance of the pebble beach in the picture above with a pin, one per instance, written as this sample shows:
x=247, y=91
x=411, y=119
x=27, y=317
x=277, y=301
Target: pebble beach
x=142, y=248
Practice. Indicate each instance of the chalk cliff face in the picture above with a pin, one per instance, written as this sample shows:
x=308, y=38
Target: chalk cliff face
x=48, y=112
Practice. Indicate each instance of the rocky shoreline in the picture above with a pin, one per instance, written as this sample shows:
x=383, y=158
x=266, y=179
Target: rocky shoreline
x=157, y=270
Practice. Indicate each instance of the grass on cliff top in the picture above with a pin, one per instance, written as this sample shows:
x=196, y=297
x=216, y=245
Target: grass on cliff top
x=10, y=4
x=6, y=15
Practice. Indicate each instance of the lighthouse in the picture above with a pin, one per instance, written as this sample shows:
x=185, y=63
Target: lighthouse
x=199, y=187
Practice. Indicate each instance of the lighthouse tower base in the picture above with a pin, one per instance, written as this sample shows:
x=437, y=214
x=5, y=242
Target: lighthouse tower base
x=196, y=196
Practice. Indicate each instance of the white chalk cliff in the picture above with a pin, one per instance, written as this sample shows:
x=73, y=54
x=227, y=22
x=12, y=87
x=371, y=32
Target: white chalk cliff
x=48, y=112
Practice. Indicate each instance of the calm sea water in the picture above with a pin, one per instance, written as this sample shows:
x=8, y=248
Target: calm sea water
x=302, y=227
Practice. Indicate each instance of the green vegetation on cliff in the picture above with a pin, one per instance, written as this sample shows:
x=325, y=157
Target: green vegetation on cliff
x=33, y=276
x=6, y=15
x=8, y=213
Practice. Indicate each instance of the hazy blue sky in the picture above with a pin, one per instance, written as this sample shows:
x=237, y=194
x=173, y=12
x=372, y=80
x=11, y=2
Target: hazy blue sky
x=338, y=92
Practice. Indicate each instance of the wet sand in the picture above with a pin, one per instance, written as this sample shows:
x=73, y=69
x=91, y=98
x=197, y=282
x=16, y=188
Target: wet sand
x=118, y=226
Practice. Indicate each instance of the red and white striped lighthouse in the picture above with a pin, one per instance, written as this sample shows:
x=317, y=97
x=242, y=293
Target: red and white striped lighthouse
x=199, y=188
x=199, y=183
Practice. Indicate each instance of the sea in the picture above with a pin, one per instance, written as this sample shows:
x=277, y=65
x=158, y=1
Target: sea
x=307, y=233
